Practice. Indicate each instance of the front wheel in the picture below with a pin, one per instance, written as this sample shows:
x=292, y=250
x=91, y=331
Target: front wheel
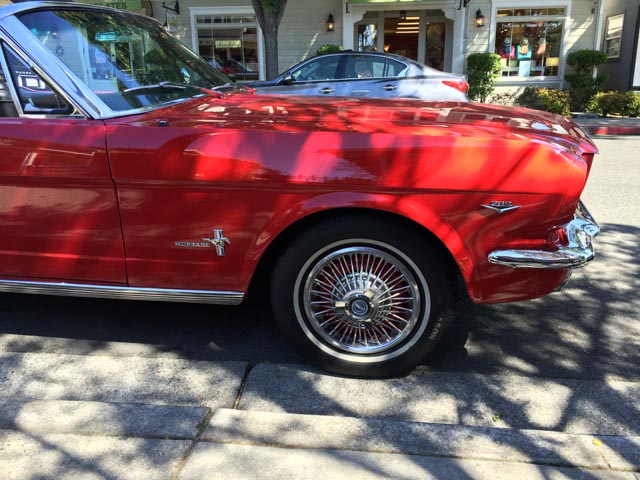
x=362, y=298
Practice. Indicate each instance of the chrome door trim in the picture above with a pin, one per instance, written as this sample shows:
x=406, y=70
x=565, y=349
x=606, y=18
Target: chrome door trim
x=121, y=293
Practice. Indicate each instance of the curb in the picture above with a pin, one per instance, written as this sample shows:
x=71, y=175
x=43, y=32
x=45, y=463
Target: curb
x=212, y=461
x=319, y=432
x=594, y=125
x=611, y=130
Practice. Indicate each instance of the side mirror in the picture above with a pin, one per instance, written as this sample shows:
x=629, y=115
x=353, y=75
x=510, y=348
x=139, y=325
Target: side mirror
x=31, y=108
x=287, y=80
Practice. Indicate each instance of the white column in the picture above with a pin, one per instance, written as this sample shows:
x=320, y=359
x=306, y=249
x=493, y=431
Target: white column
x=422, y=38
x=458, y=17
x=348, y=26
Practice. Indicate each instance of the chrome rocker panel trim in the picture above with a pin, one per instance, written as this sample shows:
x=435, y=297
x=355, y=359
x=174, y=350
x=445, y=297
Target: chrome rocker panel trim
x=579, y=251
x=121, y=293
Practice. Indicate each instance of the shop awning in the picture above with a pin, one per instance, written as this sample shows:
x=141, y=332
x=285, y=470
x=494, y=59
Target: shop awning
x=132, y=5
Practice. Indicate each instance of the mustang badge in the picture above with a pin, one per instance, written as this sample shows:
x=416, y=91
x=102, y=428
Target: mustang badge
x=218, y=241
x=500, y=206
x=181, y=243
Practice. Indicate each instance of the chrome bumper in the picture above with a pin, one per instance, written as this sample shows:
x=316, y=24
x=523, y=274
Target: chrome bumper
x=580, y=231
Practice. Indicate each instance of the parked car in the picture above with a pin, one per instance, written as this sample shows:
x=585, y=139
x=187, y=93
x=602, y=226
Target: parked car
x=360, y=74
x=355, y=215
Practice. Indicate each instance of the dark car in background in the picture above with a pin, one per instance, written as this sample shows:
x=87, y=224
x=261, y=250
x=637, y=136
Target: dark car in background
x=366, y=74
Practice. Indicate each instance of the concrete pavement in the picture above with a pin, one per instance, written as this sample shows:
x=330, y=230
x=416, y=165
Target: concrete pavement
x=68, y=416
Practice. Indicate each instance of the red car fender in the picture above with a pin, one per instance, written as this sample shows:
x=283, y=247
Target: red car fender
x=408, y=207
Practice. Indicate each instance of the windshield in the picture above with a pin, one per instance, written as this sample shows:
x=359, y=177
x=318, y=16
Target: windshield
x=129, y=61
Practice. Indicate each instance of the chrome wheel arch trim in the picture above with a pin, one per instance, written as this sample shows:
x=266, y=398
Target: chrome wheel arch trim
x=122, y=293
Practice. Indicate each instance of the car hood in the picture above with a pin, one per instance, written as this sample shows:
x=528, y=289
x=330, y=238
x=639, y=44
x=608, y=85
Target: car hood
x=398, y=116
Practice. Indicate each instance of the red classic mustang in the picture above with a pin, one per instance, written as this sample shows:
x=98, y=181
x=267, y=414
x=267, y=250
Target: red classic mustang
x=130, y=168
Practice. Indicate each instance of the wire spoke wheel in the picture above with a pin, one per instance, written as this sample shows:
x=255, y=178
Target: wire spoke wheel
x=358, y=299
x=361, y=300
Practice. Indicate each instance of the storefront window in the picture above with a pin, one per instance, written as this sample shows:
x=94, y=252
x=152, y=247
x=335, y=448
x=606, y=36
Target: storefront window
x=529, y=41
x=230, y=44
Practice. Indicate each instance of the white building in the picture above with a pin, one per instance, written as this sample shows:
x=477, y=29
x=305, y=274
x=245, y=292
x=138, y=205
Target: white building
x=533, y=37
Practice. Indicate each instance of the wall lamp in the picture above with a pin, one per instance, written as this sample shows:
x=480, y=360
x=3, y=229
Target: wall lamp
x=331, y=24
x=479, y=19
x=175, y=9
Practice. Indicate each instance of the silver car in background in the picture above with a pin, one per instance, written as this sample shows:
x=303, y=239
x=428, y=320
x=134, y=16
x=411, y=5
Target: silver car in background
x=366, y=74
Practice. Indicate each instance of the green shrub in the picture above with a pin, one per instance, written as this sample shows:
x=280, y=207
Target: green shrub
x=606, y=103
x=503, y=98
x=482, y=71
x=633, y=105
x=547, y=99
x=615, y=103
x=585, y=82
x=528, y=98
x=329, y=49
x=593, y=105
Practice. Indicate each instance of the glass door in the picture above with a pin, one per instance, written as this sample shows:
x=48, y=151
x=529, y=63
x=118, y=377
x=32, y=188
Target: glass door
x=401, y=32
x=434, y=52
x=230, y=44
x=424, y=36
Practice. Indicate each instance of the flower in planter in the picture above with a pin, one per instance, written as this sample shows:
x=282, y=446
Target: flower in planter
x=228, y=71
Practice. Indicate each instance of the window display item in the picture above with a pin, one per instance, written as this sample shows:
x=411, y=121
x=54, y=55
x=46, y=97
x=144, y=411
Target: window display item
x=507, y=50
x=524, y=52
x=542, y=46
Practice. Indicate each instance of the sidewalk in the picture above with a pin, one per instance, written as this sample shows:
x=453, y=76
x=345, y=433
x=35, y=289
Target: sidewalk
x=78, y=417
x=609, y=125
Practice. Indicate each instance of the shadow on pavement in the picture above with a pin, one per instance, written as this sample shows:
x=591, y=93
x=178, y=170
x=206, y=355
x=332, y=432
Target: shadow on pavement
x=588, y=332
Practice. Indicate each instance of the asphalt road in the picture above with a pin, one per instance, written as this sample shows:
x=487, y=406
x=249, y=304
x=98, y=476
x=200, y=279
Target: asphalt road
x=584, y=340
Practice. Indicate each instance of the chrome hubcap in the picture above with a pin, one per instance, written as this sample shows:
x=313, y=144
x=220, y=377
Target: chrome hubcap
x=361, y=300
x=357, y=305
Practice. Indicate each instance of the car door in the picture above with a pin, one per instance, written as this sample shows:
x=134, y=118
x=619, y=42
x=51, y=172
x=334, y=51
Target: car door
x=372, y=76
x=58, y=208
x=316, y=77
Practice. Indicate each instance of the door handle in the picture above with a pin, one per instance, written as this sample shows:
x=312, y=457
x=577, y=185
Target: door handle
x=389, y=88
x=327, y=90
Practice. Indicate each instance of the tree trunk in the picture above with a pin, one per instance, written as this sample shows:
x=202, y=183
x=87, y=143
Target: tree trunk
x=269, y=13
x=271, y=53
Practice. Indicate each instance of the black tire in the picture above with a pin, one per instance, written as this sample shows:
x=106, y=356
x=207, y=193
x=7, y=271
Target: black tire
x=363, y=297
